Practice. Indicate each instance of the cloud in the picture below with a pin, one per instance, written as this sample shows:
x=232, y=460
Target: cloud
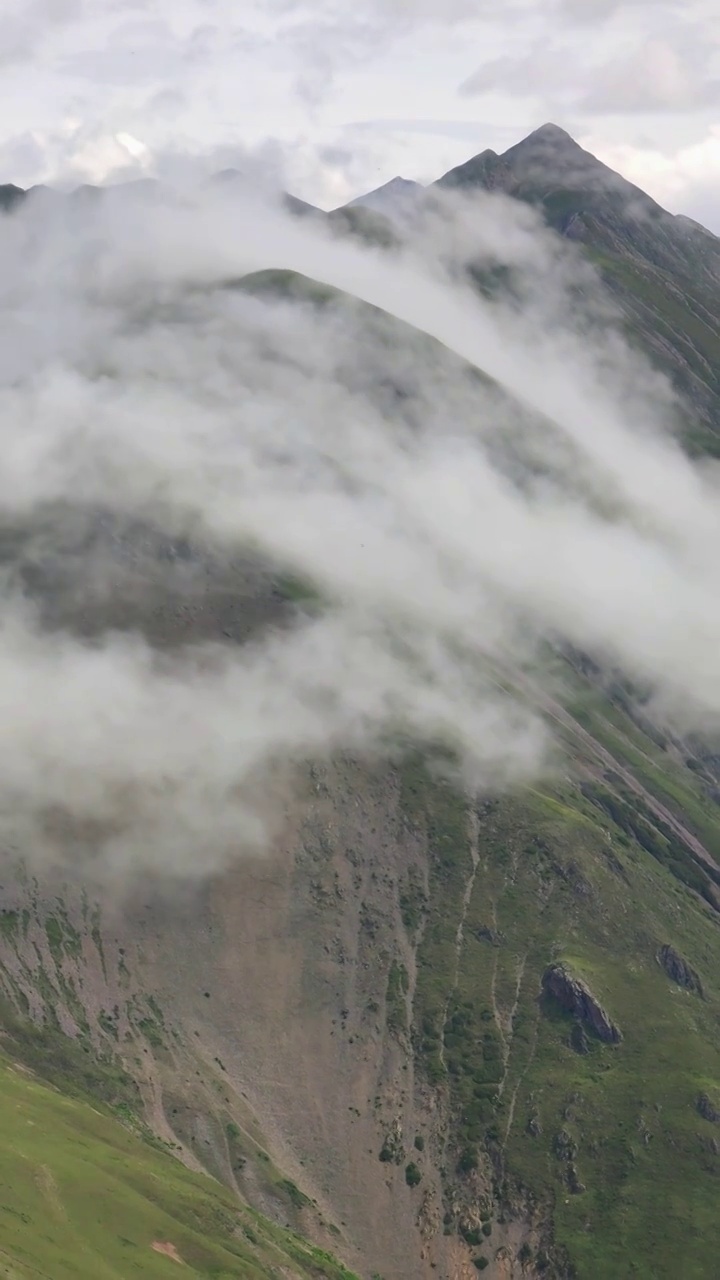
x=673, y=71
x=137, y=52
x=73, y=153
x=450, y=525
x=473, y=131
x=685, y=179
x=325, y=37
x=669, y=75
x=25, y=27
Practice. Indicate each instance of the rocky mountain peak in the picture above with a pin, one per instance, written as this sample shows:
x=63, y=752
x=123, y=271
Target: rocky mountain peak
x=549, y=135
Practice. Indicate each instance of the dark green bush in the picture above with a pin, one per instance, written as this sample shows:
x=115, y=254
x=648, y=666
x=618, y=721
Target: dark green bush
x=468, y=1160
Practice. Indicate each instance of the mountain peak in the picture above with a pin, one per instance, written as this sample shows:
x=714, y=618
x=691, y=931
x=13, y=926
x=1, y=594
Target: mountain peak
x=551, y=135
x=396, y=199
x=547, y=157
x=550, y=144
x=397, y=186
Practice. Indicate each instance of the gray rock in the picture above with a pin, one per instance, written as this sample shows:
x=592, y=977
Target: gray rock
x=579, y=1040
x=575, y=996
x=679, y=970
x=706, y=1109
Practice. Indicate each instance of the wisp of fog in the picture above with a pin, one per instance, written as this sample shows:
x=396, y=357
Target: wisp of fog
x=455, y=478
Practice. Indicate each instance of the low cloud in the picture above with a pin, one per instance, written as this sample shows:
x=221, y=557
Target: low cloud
x=449, y=523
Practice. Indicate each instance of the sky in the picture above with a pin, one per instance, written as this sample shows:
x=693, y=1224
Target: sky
x=338, y=98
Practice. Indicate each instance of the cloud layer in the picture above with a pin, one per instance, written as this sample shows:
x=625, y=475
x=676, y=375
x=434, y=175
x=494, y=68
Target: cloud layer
x=450, y=523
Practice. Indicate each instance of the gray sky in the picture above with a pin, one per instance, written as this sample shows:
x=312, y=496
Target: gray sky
x=342, y=97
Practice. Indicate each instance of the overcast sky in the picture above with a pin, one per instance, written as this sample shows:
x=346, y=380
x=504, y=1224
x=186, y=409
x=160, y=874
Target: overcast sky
x=342, y=96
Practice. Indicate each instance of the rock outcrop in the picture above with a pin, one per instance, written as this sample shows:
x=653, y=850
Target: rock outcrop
x=707, y=1110
x=572, y=994
x=679, y=970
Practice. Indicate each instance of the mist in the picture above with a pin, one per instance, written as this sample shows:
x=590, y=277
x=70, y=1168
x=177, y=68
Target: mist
x=455, y=479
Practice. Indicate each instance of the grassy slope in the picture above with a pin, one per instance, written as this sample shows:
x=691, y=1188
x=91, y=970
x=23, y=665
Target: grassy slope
x=82, y=1195
x=610, y=1140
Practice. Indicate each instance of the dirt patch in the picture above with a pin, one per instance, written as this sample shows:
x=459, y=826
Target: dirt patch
x=168, y=1249
x=46, y=1183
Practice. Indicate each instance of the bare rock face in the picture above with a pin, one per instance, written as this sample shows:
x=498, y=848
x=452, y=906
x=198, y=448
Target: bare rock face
x=679, y=970
x=576, y=997
x=706, y=1109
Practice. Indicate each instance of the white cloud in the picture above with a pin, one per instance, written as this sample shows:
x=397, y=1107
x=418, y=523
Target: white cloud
x=667, y=75
x=128, y=378
x=674, y=68
x=26, y=26
x=686, y=180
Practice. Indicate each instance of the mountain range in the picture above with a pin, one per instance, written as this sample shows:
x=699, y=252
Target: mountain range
x=429, y=1034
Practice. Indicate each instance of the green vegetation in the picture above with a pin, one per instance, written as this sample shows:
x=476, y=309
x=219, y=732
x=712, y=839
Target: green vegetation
x=84, y=1198
x=66, y=1063
x=396, y=999
x=296, y=1197
x=9, y=924
x=609, y=1135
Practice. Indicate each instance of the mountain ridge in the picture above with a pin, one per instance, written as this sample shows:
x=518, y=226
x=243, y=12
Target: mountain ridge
x=662, y=269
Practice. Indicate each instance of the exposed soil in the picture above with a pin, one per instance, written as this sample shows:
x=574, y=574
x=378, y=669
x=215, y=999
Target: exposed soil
x=168, y=1250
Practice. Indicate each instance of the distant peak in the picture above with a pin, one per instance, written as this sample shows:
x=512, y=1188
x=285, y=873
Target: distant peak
x=551, y=133
x=549, y=137
x=395, y=199
x=394, y=187
x=398, y=183
x=553, y=150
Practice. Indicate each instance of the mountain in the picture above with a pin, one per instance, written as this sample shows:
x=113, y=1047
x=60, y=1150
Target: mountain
x=436, y=1034
x=664, y=270
x=397, y=199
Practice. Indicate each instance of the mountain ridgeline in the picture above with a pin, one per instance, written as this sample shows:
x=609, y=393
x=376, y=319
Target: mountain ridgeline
x=427, y=1034
x=663, y=270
